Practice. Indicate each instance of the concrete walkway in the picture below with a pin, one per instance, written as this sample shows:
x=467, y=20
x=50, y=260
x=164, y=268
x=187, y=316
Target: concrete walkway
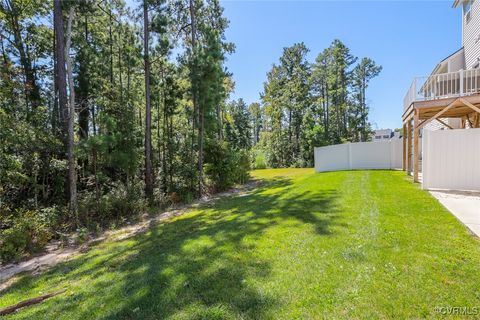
x=464, y=205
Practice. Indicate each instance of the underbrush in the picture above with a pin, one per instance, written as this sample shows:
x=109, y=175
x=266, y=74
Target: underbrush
x=27, y=231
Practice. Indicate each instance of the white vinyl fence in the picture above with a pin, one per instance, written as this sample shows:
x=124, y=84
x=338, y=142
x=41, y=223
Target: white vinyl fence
x=451, y=159
x=361, y=155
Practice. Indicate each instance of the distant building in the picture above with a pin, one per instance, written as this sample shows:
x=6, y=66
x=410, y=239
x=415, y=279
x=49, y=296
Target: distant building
x=382, y=135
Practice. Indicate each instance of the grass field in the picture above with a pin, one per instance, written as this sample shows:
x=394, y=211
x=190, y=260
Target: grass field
x=359, y=244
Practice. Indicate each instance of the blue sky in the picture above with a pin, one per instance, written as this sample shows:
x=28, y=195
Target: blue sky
x=408, y=38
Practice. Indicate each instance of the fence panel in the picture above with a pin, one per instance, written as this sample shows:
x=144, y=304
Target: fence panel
x=396, y=153
x=451, y=159
x=362, y=155
x=332, y=158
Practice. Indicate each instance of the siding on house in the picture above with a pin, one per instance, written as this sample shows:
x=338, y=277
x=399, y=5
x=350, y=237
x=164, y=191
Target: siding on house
x=457, y=62
x=455, y=123
x=471, y=35
x=434, y=125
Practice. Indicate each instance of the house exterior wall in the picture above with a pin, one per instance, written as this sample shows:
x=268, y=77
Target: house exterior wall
x=471, y=35
x=457, y=62
x=455, y=123
x=434, y=125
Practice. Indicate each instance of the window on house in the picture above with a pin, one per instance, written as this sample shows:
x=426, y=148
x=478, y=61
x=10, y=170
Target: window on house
x=467, y=8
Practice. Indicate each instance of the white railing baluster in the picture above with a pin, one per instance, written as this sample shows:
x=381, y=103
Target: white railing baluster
x=461, y=83
x=474, y=81
x=444, y=85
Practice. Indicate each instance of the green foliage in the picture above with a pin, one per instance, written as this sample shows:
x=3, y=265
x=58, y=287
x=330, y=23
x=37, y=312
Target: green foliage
x=27, y=231
x=237, y=125
x=311, y=105
x=225, y=166
x=241, y=167
x=119, y=202
x=363, y=72
x=82, y=235
x=259, y=161
x=198, y=137
x=188, y=91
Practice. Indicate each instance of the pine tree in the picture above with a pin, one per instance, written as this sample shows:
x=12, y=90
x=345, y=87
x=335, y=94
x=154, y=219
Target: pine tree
x=362, y=74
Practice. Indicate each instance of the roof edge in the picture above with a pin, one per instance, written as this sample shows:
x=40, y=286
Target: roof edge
x=446, y=59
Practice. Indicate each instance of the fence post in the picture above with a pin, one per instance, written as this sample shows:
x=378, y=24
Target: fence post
x=425, y=158
x=349, y=156
x=392, y=153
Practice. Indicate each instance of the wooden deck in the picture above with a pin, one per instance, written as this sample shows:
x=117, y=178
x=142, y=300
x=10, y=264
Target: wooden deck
x=429, y=108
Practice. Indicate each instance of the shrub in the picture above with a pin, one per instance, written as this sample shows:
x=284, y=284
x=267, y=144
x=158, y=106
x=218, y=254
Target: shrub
x=13, y=243
x=119, y=202
x=258, y=157
x=225, y=166
x=28, y=232
x=241, y=166
x=259, y=161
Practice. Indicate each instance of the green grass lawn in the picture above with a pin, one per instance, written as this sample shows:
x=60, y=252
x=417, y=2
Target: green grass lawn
x=358, y=244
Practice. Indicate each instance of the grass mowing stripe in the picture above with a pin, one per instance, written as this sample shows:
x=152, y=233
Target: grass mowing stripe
x=358, y=245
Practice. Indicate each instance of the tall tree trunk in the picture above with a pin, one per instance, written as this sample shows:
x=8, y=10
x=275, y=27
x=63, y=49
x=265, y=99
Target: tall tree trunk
x=170, y=153
x=148, y=110
x=67, y=109
x=72, y=173
x=56, y=117
x=111, y=46
x=120, y=66
x=164, y=138
x=84, y=87
x=197, y=109
x=61, y=74
x=201, y=140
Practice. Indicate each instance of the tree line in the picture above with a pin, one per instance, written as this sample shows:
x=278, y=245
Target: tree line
x=307, y=105
x=107, y=110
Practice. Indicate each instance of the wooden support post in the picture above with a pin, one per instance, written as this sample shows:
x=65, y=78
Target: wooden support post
x=405, y=157
x=469, y=121
x=416, y=149
x=471, y=106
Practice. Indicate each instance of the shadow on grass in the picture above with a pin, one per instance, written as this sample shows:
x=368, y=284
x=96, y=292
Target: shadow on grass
x=203, y=265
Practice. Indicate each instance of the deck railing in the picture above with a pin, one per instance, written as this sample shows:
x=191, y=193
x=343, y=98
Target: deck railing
x=444, y=85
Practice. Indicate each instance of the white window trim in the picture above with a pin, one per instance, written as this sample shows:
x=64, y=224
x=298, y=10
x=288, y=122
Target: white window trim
x=468, y=13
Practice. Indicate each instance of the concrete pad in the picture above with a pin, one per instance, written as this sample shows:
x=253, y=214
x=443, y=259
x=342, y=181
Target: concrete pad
x=464, y=205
